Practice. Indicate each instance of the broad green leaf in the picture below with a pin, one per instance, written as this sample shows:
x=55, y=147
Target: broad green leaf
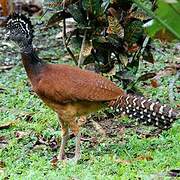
x=169, y=13
x=105, y=5
x=77, y=14
x=92, y=6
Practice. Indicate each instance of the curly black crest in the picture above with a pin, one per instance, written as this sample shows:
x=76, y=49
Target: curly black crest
x=20, y=28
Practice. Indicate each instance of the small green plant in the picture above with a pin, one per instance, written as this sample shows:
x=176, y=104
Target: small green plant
x=111, y=34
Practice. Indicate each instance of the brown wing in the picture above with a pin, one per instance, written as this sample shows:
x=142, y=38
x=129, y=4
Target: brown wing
x=64, y=83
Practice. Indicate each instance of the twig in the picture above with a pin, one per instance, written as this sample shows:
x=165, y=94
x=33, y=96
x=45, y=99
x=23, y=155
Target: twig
x=141, y=50
x=171, y=87
x=64, y=40
x=145, y=43
x=50, y=58
x=81, y=57
x=69, y=37
x=64, y=27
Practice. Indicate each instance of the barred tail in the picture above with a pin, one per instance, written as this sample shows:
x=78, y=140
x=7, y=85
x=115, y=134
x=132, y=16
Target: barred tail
x=145, y=110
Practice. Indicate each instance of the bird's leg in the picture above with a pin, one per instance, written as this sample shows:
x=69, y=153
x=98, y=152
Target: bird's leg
x=65, y=136
x=74, y=126
x=77, y=156
x=72, y=123
x=64, y=139
x=78, y=147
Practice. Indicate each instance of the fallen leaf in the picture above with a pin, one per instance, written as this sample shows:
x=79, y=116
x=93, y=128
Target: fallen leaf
x=8, y=124
x=2, y=90
x=28, y=117
x=178, y=89
x=146, y=76
x=53, y=143
x=122, y=131
x=21, y=134
x=86, y=48
x=122, y=161
x=154, y=83
x=6, y=67
x=2, y=164
x=41, y=140
x=2, y=170
x=2, y=139
x=3, y=142
x=174, y=173
x=167, y=71
x=152, y=133
x=99, y=128
x=174, y=65
x=147, y=158
x=40, y=147
x=54, y=162
x=92, y=139
x=123, y=59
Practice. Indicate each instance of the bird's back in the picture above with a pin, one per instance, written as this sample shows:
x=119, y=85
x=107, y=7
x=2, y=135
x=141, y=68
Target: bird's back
x=67, y=83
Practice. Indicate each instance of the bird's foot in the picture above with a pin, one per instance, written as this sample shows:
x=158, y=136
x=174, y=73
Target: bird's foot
x=74, y=160
x=65, y=160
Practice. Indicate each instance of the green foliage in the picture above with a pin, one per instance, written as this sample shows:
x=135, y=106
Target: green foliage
x=112, y=32
x=169, y=13
x=164, y=17
x=133, y=32
x=77, y=14
x=105, y=4
x=92, y=6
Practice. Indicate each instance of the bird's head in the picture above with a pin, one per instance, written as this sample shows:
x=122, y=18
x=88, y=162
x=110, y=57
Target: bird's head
x=20, y=30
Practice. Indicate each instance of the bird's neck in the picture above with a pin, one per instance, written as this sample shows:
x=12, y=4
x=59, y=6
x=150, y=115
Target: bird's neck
x=32, y=63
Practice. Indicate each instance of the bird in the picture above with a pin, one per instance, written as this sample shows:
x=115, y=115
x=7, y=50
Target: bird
x=73, y=93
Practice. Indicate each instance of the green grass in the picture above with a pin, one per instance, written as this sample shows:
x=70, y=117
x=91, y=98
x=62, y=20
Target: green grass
x=126, y=157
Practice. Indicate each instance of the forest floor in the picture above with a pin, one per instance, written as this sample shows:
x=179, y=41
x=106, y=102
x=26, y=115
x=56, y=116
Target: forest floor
x=112, y=147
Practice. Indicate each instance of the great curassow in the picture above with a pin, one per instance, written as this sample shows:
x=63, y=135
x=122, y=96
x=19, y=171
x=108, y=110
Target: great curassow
x=72, y=92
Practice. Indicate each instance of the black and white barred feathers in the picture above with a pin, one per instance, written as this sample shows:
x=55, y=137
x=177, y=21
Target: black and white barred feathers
x=145, y=110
